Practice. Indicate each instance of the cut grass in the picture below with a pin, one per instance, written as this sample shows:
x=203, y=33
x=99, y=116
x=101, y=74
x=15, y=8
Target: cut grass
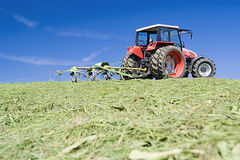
x=109, y=119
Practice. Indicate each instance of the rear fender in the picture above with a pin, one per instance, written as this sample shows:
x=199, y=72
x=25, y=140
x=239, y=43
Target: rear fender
x=137, y=50
x=155, y=45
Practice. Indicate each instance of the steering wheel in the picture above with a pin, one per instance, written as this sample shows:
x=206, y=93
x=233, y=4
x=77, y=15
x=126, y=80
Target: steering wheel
x=143, y=43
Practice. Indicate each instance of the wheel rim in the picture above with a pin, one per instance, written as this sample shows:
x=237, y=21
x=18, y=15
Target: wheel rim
x=179, y=64
x=204, y=69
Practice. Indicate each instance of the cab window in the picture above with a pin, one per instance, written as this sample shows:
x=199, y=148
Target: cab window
x=174, y=37
x=164, y=34
x=142, y=38
x=153, y=36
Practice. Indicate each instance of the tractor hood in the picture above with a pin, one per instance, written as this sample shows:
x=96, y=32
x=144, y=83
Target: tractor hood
x=188, y=53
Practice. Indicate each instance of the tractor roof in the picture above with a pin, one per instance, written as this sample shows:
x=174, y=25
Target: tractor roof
x=155, y=27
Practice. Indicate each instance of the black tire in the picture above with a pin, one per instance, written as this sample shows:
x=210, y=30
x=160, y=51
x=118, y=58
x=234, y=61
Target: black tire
x=201, y=68
x=131, y=61
x=186, y=73
x=158, y=62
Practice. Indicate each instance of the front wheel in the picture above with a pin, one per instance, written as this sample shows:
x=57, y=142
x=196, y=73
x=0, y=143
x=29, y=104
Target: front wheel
x=203, y=67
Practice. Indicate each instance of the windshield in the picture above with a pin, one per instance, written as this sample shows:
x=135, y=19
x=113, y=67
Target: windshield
x=144, y=38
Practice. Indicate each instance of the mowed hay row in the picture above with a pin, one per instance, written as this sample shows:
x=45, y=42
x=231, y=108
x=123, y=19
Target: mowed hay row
x=112, y=119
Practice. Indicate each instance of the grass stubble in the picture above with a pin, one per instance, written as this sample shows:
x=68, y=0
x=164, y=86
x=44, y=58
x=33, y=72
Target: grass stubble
x=104, y=120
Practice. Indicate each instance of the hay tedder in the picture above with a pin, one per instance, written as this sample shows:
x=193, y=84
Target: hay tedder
x=103, y=69
x=158, y=53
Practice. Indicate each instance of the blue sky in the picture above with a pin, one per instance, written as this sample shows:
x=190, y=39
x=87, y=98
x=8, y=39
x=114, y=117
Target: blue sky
x=39, y=37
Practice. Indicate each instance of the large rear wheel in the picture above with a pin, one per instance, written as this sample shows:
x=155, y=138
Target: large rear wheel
x=159, y=63
x=131, y=61
x=203, y=67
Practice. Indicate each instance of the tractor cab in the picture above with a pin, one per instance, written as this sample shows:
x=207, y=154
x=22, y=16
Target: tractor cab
x=160, y=33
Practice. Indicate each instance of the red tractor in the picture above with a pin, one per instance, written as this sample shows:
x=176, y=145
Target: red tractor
x=159, y=49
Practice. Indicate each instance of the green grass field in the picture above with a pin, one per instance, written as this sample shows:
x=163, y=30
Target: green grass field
x=178, y=118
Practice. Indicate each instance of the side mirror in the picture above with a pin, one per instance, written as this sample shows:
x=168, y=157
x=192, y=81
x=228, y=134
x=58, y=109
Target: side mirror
x=190, y=35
